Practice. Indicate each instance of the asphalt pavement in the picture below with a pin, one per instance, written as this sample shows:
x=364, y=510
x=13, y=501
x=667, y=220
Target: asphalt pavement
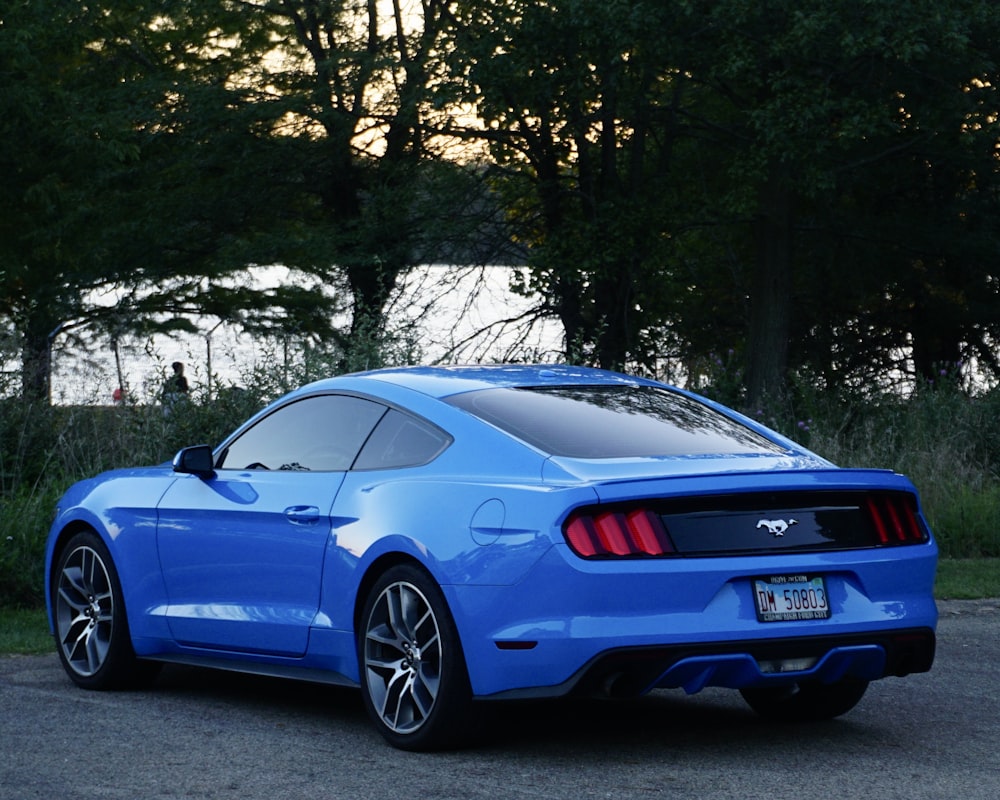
x=204, y=734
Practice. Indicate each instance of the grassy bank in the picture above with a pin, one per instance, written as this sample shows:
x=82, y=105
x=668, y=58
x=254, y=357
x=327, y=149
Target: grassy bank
x=24, y=632
x=968, y=578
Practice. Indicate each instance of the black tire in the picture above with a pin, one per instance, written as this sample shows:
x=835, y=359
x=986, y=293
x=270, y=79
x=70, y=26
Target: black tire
x=414, y=680
x=807, y=701
x=92, y=635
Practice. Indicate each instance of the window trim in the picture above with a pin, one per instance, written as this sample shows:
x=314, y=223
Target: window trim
x=223, y=450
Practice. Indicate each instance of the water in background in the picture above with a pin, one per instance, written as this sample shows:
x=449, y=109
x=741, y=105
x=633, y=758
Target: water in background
x=440, y=315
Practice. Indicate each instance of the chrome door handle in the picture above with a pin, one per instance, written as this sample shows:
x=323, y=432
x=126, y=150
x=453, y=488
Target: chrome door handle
x=302, y=515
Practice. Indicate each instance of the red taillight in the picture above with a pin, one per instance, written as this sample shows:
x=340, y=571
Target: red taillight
x=616, y=533
x=894, y=519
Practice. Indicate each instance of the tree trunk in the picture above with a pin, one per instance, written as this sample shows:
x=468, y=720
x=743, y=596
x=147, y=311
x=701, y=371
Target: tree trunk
x=936, y=332
x=36, y=358
x=770, y=300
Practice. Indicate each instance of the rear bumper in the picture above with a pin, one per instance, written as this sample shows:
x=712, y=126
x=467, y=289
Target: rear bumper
x=627, y=628
x=741, y=665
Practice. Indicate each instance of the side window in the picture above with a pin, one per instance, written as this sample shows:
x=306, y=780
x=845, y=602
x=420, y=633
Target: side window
x=401, y=441
x=322, y=433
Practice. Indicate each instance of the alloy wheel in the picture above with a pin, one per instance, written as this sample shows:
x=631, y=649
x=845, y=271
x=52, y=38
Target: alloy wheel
x=84, y=611
x=402, y=657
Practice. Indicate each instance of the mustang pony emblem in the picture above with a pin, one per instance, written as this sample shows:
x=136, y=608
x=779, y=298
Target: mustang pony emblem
x=777, y=527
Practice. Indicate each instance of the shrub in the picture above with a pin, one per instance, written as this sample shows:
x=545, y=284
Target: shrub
x=946, y=441
x=45, y=449
x=24, y=519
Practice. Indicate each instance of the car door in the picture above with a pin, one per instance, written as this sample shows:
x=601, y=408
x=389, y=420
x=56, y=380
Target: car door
x=242, y=552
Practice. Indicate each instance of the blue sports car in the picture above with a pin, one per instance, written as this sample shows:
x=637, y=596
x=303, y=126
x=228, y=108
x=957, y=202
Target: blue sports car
x=445, y=536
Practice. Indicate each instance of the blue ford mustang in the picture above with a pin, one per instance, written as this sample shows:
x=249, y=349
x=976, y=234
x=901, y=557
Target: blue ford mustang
x=442, y=536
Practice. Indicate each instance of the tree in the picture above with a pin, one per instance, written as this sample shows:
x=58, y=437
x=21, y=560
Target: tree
x=813, y=111
x=578, y=108
x=53, y=139
x=371, y=196
x=798, y=183
x=162, y=148
x=693, y=178
x=113, y=183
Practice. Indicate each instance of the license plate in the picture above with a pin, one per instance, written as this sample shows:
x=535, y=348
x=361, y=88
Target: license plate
x=785, y=598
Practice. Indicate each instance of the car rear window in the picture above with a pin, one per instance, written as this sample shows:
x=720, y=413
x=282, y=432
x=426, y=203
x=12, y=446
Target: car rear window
x=613, y=422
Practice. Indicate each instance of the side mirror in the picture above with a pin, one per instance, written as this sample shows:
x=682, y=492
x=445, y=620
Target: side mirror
x=195, y=460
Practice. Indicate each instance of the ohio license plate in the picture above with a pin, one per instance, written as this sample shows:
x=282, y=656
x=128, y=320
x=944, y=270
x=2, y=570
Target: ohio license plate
x=783, y=598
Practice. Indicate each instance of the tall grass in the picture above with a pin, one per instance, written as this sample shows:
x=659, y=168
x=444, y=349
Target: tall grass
x=45, y=449
x=945, y=440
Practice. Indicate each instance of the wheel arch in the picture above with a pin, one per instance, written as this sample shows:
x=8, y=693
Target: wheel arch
x=375, y=570
x=56, y=547
x=379, y=567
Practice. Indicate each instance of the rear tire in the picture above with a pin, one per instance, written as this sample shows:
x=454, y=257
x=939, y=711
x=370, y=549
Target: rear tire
x=92, y=635
x=806, y=701
x=413, y=675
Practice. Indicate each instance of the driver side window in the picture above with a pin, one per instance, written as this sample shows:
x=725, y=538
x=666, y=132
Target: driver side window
x=322, y=433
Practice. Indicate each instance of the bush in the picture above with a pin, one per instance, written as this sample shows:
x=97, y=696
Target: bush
x=947, y=442
x=45, y=449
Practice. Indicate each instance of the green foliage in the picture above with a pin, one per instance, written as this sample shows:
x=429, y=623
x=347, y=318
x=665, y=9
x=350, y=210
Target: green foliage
x=44, y=449
x=797, y=181
x=944, y=439
x=152, y=151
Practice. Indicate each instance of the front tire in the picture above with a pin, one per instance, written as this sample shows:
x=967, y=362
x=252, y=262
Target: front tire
x=92, y=635
x=413, y=675
x=808, y=701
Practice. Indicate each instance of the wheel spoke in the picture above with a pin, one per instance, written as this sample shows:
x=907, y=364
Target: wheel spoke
x=384, y=636
x=422, y=694
x=96, y=649
x=72, y=588
x=400, y=604
x=71, y=602
x=395, y=710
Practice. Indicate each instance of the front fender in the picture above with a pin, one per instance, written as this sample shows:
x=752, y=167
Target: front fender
x=121, y=508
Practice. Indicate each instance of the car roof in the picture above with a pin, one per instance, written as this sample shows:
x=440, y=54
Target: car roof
x=444, y=381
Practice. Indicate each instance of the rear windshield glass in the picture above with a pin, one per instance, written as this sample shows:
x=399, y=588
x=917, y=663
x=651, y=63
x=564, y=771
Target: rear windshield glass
x=612, y=422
